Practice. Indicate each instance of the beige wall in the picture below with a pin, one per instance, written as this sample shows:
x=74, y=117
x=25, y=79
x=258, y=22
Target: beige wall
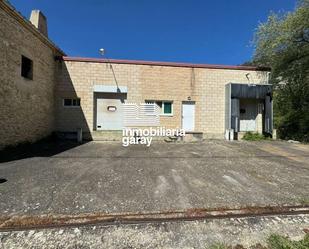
x=150, y=82
x=26, y=106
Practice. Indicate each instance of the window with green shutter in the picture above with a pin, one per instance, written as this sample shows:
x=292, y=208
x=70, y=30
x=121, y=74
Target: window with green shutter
x=167, y=108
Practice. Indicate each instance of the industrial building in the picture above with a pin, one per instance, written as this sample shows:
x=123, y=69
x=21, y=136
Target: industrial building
x=43, y=90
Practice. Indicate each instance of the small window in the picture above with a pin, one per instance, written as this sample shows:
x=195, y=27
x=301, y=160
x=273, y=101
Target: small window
x=71, y=102
x=76, y=102
x=26, y=68
x=165, y=106
x=67, y=102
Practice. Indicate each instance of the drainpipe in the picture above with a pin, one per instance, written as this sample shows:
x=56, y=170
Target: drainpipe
x=267, y=77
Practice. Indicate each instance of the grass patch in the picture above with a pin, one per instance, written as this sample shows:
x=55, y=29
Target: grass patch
x=304, y=201
x=274, y=241
x=280, y=242
x=219, y=246
x=250, y=136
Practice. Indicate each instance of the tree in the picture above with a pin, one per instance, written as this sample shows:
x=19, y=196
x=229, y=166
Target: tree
x=282, y=43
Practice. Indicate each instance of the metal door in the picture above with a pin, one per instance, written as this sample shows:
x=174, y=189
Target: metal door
x=248, y=114
x=188, y=116
x=109, y=114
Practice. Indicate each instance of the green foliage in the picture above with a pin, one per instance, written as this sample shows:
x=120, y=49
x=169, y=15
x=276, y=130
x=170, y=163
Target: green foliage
x=283, y=44
x=304, y=201
x=274, y=241
x=218, y=246
x=280, y=242
x=250, y=136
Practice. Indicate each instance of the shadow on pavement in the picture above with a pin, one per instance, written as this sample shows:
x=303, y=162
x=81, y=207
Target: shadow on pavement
x=44, y=148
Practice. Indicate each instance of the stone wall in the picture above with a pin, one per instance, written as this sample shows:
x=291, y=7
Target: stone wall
x=205, y=86
x=26, y=106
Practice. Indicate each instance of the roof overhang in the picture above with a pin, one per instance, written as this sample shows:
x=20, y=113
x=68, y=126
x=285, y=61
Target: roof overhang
x=160, y=63
x=109, y=89
x=250, y=91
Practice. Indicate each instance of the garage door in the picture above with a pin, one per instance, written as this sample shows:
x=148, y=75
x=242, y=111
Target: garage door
x=110, y=112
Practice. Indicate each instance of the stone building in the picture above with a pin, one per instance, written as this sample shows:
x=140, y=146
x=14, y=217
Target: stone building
x=44, y=91
x=27, y=77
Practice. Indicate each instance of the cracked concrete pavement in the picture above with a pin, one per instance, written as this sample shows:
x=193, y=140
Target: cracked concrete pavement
x=106, y=177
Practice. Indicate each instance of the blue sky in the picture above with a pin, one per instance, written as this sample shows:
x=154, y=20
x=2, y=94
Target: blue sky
x=196, y=31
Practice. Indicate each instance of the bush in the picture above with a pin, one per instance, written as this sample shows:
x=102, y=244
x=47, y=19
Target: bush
x=294, y=125
x=250, y=136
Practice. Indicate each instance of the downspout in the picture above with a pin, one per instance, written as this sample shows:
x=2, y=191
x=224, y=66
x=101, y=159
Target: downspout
x=267, y=77
x=270, y=125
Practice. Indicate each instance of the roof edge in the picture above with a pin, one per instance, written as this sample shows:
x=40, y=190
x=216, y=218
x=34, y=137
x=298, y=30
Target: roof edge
x=7, y=7
x=161, y=63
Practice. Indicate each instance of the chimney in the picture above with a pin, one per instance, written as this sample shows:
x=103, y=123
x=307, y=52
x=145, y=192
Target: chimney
x=38, y=19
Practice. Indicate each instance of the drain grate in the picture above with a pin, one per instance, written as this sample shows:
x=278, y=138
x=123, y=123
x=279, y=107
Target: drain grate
x=3, y=180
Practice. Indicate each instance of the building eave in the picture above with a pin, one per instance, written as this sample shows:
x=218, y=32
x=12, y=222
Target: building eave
x=160, y=63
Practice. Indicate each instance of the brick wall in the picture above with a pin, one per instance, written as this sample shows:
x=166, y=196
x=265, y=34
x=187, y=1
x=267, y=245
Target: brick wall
x=150, y=82
x=26, y=106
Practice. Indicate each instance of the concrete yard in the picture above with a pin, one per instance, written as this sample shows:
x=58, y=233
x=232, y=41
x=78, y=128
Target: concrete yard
x=60, y=178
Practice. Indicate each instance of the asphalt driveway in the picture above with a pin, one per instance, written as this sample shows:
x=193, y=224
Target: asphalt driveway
x=106, y=177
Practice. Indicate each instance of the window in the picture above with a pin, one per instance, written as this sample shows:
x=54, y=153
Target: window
x=71, y=102
x=26, y=68
x=165, y=106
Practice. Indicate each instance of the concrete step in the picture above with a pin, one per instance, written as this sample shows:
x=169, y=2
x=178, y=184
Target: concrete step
x=111, y=135
x=106, y=135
